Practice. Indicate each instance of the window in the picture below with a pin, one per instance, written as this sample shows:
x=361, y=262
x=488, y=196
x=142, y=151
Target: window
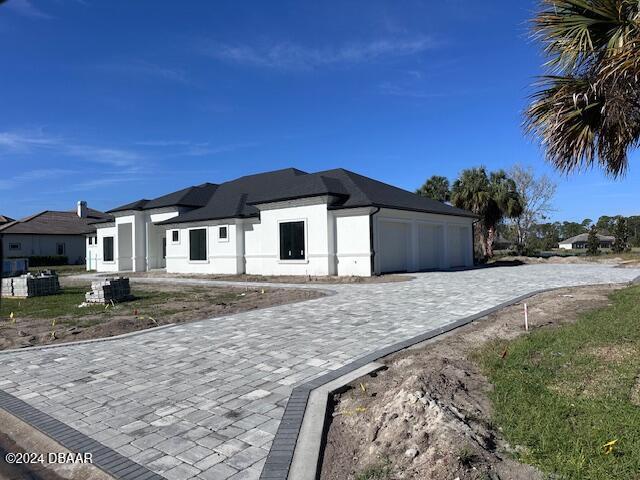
x=60, y=248
x=292, y=241
x=15, y=246
x=223, y=233
x=90, y=240
x=198, y=244
x=107, y=249
x=175, y=236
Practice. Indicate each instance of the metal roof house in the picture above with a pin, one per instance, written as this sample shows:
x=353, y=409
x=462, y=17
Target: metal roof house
x=288, y=222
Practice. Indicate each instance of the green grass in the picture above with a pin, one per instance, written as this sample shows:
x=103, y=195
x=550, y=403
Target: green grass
x=66, y=304
x=380, y=471
x=563, y=393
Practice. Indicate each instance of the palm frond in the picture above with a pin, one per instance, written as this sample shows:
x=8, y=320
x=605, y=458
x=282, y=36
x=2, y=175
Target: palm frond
x=573, y=30
x=583, y=121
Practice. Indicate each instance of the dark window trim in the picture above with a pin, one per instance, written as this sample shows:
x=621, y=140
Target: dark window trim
x=294, y=244
x=205, y=252
x=105, y=242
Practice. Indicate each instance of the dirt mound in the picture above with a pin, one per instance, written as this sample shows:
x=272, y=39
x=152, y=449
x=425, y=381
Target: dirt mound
x=428, y=416
x=573, y=260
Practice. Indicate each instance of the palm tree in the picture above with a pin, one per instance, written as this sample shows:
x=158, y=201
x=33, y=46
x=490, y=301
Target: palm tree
x=588, y=108
x=436, y=188
x=492, y=197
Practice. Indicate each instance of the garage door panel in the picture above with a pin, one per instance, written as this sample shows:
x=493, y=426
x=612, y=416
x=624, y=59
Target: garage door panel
x=394, y=246
x=457, y=243
x=429, y=246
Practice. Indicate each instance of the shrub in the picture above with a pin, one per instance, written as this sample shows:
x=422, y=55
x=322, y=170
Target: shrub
x=47, y=261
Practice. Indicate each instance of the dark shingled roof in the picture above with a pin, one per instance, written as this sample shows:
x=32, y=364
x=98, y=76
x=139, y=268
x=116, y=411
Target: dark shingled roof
x=237, y=198
x=55, y=223
x=188, y=197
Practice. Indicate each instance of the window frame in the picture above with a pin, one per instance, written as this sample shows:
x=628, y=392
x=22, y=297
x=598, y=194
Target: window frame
x=173, y=233
x=206, y=245
x=113, y=251
x=305, y=241
x=226, y=228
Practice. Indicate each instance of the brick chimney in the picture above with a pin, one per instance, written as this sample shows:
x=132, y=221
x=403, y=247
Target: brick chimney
x=82, y=209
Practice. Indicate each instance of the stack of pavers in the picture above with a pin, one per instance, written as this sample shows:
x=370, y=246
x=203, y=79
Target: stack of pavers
x=109, y=290
x=29, y=285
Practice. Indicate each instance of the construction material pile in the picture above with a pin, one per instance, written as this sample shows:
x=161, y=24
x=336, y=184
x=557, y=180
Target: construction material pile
x=109, y=290
x=30, y=285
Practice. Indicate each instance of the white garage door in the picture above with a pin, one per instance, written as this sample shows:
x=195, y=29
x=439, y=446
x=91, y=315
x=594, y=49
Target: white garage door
x=429, y=246
x=457, y=241
x=393, y=248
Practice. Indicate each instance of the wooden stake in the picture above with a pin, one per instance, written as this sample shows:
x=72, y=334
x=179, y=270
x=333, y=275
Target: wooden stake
x=526, y=318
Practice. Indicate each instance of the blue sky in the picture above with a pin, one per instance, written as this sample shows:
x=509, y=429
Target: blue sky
x=113, y=101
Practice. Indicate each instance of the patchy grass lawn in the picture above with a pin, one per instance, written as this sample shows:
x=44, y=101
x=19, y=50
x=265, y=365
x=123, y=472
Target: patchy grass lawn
x=34, y=319
x=65, y=305
x=561, y=394
x=62, y=270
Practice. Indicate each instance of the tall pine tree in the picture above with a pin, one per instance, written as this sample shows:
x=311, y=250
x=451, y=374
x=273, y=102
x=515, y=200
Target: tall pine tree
x=593, y=243
x=621, y=234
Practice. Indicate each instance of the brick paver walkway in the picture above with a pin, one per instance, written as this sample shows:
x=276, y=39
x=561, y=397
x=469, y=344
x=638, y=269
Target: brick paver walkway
x=204, y=399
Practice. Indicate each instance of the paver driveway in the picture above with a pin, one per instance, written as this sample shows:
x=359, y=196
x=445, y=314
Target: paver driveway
x=203, y=400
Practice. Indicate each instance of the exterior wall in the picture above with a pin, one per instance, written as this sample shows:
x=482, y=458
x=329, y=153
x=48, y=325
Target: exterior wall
x=445, y=225
x=46, y=245
x=337, y=242
x=583, y=245
x=137, y=241
x=92, y=252
x=352, y=241
x=222, y=254
x=262, y=246
x=110, y=230
x=155, y=234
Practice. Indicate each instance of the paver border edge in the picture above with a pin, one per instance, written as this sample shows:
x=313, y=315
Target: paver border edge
x=104, y=458
x=325, y=292
x=280, y=457
x=92, y=340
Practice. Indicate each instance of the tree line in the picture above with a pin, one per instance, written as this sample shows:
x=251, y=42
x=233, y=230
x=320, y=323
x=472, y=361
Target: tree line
x=513, y=207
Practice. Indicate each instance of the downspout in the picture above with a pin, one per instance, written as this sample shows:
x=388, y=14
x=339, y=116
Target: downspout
x=373, y=250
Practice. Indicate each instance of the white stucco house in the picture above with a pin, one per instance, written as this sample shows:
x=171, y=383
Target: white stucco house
x=52, y=234
x=286, y=222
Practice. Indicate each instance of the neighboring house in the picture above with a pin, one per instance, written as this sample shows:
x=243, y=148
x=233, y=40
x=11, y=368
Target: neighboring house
x=52, y=233
x=502, y=243
x=286, y=222
x=580, y=242
x=4, y=220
